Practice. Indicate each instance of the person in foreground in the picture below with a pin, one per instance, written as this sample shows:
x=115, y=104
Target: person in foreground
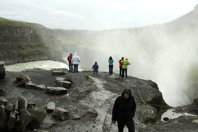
x=124, y=111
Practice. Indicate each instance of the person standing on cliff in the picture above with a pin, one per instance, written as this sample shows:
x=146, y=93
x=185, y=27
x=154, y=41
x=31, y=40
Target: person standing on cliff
x=95, y=68
x=110, y=65
x=120, y=65
x=124, y=67
x=69, y=58
x=75, y=61
x=124, y=110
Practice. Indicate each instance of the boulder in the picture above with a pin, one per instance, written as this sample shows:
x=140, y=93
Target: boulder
x=60, y=113
x=38, y=117
x=3, y=101
x=31, y=85
x=12, y=119
x=58, y=72
x=22, y=79
x=65, y=84
x=60, y=79
x=57, y=90
x=22, y=103
x=146, y=114
x=25, y=119
x=9, y=107
x=51, y=107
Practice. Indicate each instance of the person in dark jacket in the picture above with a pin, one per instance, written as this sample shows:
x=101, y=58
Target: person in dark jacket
x=95, y=68
x=110, y=65
x=124, y=111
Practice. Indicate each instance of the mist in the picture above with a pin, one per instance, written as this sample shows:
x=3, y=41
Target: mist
x=163, y=53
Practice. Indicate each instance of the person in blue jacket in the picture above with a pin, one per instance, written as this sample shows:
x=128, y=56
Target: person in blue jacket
x=95, y=68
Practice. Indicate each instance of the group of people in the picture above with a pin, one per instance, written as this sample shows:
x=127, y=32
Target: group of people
x=124, y=107
x=123, y=65
x=73, y=61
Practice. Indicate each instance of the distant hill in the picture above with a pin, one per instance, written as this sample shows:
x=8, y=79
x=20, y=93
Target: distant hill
x=22, y=42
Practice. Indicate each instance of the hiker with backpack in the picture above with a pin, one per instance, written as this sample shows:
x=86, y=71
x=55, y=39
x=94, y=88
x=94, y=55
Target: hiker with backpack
x=69, y=59
x=75, y=61
x=110, y=65
x=95, y=68
x=124, y=67
x=124, y=110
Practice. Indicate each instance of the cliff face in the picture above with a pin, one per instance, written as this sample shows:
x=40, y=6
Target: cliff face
x=22, y=42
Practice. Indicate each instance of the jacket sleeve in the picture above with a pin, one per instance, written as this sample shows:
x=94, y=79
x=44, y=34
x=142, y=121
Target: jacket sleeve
x=134, y=107
x=115, y=110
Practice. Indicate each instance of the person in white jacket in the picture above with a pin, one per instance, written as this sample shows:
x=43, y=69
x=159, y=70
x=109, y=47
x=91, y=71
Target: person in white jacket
x=75, y=61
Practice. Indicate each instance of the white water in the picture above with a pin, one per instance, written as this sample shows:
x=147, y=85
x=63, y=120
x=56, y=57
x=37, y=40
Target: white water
x=46, y=65
x=171, y=114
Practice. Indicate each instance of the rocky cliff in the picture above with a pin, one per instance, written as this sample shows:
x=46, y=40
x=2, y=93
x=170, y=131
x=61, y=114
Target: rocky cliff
x=85, y=104
x=22, y=42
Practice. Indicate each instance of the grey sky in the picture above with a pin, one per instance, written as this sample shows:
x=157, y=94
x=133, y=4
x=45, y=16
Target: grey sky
x=95, y=14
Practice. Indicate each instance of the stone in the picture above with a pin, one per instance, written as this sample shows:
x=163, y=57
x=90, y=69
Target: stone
x=9, y=107
x=38, y=117
x=2, y=109
x=3, y=101
x=51, y=107
x=57, y=90
x=25, y=119
x=146, y=114
x=60, y=113
x=22, y=79
x=3, y=118
x=22, y=103
x=92, y=112
x=166, y=119
x=12, y=119
x=31, y=85
x=76, y=117
x=65, y=84
x=58, y=72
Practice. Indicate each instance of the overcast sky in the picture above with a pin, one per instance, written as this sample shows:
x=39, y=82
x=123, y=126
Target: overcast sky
x=95, y=14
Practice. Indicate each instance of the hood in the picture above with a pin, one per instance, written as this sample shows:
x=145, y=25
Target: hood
x=75, y=53
x=126, y=91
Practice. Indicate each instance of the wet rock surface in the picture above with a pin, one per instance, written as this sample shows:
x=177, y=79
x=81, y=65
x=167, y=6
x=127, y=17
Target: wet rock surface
x=87, y=104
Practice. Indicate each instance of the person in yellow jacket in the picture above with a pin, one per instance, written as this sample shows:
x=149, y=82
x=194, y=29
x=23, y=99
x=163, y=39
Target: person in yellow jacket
x=124, y=67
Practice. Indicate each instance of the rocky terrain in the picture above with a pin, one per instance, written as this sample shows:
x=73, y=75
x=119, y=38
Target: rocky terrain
x=59, y=101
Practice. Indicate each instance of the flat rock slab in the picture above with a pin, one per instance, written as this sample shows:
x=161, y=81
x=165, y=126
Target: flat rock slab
x=51, y=106
x=60, y=113
x=31, y=85
x=57, y=90
x=58, y=72
x=65, y=84
x=60, y=79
